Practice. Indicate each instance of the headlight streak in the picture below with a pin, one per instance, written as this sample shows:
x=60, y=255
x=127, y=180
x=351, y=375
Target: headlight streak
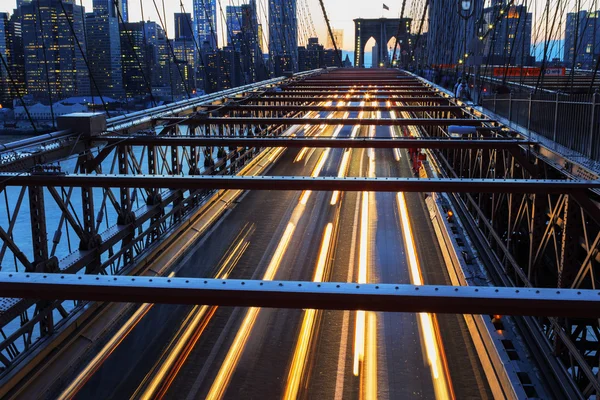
x=307, y=328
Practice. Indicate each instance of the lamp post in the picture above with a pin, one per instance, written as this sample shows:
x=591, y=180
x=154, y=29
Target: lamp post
x=465, y=11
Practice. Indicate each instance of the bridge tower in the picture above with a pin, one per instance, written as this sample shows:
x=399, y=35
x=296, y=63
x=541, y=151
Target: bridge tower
x=380, y=29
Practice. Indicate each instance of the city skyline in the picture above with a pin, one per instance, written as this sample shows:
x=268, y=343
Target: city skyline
x=341, y=15
x=343, y=21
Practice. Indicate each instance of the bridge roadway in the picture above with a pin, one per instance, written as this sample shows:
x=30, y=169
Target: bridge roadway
x=226, y=352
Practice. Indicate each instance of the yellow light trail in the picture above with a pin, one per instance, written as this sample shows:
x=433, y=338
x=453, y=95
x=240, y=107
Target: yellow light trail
x=316, y=171
x=363, y=258
x=363, y=253
x=322, y=159
x=199, y=318
x=309, y=132
x=341, y=173
x=106, y=351
x=397, y=154
x=433, y=349
x=370, y=378
x=219, y=385
x=303, y=345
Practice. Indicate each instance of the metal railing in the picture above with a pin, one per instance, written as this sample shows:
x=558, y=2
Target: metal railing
x=568, y=120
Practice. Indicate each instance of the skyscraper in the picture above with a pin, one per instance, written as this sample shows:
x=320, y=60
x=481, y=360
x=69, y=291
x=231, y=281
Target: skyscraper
x=104, y=51
x=112, y=8
x=234, y=27
x=252, y=33
x=5, y=83
x=283, y=33
x=159, y=57
x=510, y=43
x=184, y=67
x=54, y=63
x=585, y=27
x=445, y=23
x=135, y=59
x=205, y=23
x=183, y=26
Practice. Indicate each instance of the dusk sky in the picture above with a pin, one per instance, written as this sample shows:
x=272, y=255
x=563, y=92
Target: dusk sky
x=341, y=12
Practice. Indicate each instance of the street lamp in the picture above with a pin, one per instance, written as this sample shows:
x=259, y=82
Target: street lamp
x=465, y=12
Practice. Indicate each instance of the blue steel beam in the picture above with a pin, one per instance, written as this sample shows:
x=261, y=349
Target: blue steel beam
x=349, y=184
x=312, y=295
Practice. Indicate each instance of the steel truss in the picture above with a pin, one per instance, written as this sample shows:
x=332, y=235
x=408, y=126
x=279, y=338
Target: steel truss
x=321, y=141
x=100, y=231
x=536, y=224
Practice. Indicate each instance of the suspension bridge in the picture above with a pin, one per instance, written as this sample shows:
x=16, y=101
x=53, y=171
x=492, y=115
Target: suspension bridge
x=327, y=233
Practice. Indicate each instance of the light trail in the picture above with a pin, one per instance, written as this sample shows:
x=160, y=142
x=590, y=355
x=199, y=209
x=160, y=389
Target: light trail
x=198, y=318
x=106, y=351
x=363, y=258
x=310, y=131
x=341, y=173
x=219, y=385
x=370, y=376
x=433, y=347
x=299, y=359
x=363, y=253
x=397, y=154
x=82, y=378
x=320, y=164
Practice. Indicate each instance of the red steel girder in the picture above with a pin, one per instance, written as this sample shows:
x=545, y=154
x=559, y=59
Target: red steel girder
x=322, y=142
x=305, y=295
x=353, y=184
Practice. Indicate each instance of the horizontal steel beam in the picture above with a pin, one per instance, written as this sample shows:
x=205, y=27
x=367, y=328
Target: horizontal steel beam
x=369, y=88
x=202, y=120
x=381, y=99
x=333, y=108
x=316, y=92
x=351, y=184
x=322, y=142
x=305, y=295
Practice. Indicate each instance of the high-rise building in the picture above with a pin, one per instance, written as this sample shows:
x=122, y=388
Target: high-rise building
x=283, y=33
x=112, y=8
x=184, y=74
x=510, y=43
x=234, y=27
x=585, y=27
x=183, y=26
x=5, y=53
x=311, y=56
x=54, y=64
x=222, y=69
x=444, y=24
x=136, y=60
x=205, y=23
x=104, y=51
x=251, y=51
x=338, y=35
x=12, y=44
x=159, y=56
x=260, y=38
